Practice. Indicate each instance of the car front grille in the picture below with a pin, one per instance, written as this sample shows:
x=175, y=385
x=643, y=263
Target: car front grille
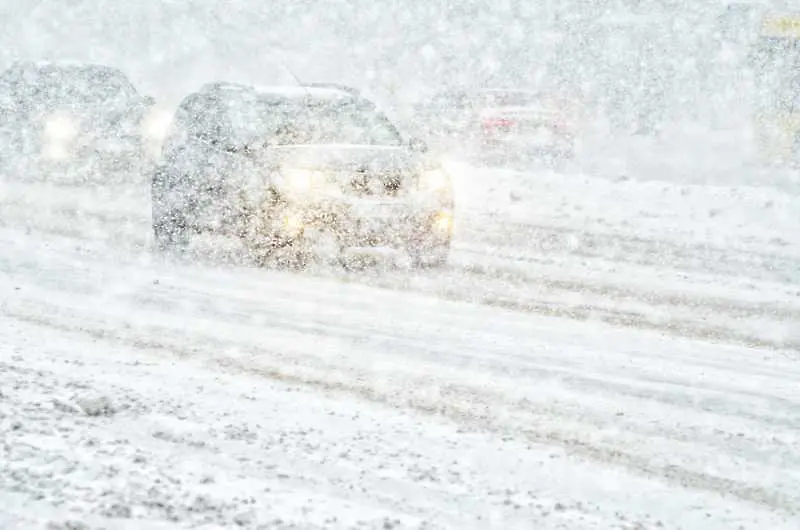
x=366, y=184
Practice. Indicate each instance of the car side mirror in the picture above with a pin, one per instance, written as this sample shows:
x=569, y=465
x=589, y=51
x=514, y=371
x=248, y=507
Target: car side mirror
x=418, y=145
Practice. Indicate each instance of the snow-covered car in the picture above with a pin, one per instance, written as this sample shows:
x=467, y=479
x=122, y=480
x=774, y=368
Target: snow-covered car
x=69, y=115
x=491, y=123
x=299, y=173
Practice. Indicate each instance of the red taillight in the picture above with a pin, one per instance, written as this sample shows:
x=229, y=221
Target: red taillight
x=497, y=123
x=563, y=124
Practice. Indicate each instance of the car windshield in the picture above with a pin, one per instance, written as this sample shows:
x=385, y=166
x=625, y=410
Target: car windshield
x=332, y=123
x=510, y=99
x=451, y=100
x=80, y=87
x=248, y=119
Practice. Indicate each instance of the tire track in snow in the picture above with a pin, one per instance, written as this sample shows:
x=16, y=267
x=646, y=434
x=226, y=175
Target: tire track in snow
x=507, y=267
x=127, y=232
x=474, y=408
x=173, y=431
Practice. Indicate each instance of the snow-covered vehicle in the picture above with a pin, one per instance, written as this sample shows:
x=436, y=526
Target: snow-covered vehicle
x=67, y=115
x=775, y=59
x=297, y=174
x=507, y=123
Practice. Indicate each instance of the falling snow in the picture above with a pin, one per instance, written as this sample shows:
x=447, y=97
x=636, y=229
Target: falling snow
x=400, y=264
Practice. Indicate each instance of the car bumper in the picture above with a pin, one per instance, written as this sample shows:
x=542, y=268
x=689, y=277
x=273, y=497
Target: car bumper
x=366, y=223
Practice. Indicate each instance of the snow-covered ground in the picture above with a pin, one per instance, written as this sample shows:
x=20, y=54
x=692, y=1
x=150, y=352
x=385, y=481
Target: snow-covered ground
x=718, y=260
x=599, y=353
x=698, y=260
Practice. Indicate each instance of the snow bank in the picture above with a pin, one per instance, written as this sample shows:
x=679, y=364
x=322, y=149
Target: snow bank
x=737, y=217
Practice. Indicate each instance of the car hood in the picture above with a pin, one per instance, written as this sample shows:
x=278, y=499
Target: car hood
x=346, y=158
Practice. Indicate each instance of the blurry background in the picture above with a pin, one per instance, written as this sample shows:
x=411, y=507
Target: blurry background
x=395, y=46
x=638, y=64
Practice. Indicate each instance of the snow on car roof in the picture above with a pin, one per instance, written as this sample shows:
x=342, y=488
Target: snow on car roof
x=302, y=91
x=476, y=91
x=507, y=91
x=63, y=64
x=288, y=91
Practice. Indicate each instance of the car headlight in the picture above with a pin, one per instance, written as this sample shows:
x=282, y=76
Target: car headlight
x=60, y=128
x=434, y=180
x=156, y=124
x=302, y=180
x=56, y=151
x=293, y=222
x=443, y=222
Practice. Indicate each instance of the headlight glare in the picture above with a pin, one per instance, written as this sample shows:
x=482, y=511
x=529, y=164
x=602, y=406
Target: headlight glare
x=443, y=222
x=60, y=128
x=434, y=180
x=302, y=180
x=293, y=222
x=156, y=124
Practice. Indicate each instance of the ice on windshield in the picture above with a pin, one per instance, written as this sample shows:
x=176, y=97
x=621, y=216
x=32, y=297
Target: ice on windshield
x=511, y=99
x=335, y=124
x=248, y=120
x=244, y=118
x=84, y=88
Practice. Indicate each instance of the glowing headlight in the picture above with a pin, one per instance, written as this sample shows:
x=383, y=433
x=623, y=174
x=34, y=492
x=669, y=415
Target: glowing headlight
x=60, y=128
x=293, y=223
x=302, y=180
x=443, y=222
x=56, y=151
x=434, y=180
x=155, y=124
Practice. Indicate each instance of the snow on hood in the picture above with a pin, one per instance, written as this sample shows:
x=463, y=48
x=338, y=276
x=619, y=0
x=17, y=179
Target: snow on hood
x=346, y=156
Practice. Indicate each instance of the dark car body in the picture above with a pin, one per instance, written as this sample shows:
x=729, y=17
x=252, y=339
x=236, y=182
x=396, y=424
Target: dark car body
x=61, y=115
x=290, y=169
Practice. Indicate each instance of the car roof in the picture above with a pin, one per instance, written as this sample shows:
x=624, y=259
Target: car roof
x=281, y=92
x=504, y=92
x=338, y=86
x=62, y=65
x=486, y=91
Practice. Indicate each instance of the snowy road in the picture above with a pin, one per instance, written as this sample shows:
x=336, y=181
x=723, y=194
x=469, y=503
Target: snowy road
x=254, y=397
x=712, y=262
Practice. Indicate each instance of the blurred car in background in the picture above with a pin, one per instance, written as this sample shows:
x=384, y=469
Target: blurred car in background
x=298, y=174
x=56, y=117
x=501, y=124
x=775, y=60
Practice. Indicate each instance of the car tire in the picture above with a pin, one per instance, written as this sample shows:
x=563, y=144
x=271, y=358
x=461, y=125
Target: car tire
x=170, y=229
x=431, y=253
x=324, y=247
x=170, y=232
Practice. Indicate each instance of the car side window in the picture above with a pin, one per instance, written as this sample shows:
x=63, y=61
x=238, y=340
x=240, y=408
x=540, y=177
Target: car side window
x=185, y=124
x=9, y=86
